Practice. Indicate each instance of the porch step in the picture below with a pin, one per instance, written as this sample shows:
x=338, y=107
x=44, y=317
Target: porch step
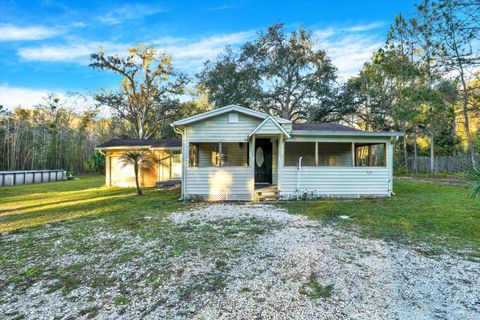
x=268, y=193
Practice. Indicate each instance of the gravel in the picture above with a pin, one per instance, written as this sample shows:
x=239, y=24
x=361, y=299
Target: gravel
x=296, y=268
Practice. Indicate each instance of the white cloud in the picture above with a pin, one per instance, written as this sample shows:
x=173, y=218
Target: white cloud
x=129, y=12
x=77, y=53
x=207, y=48
x=10, y=32
x=11, y=97
x=188, y=54
x=349, y=48
x=365, y=27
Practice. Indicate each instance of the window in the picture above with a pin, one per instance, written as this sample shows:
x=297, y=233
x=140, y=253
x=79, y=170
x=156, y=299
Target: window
x=193, y=155
x=332, y=154
x=220, y=158
x=370, y=154
x=218, y=154
x=176, y=157
x=295, y=150
x=176, y=165
x=328, y=154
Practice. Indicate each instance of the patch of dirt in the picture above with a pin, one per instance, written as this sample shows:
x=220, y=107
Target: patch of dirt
x=231, y=261
x=442, y=180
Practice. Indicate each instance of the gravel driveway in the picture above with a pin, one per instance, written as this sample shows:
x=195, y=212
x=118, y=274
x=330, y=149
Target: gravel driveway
x=291, y=267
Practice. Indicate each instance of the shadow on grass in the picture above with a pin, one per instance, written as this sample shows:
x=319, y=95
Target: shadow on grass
x=87, y=199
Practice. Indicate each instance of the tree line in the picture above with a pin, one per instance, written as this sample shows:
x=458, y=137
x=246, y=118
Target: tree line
x=422, y=82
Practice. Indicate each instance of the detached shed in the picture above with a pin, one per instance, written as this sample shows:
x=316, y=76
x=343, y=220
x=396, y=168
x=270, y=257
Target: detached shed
x=166, y=152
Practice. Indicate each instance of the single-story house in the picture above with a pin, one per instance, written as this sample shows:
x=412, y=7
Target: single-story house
x=235, y=153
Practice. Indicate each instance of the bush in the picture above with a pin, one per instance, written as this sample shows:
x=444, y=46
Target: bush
x=475, y=187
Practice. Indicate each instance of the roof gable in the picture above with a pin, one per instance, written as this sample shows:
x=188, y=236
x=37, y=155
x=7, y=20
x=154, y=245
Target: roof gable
x=269, y=126
x=230, y=108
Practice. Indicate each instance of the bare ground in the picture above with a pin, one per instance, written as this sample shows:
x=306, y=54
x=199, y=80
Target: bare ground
x=228, y=261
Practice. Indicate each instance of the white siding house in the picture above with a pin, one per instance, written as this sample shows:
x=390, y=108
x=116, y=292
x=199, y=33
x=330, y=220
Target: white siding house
x=234, y=153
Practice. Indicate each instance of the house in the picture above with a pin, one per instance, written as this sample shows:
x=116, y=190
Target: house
x=166, y=152
x=235, y=153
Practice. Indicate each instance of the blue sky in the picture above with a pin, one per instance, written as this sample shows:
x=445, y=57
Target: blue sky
x=45, y=45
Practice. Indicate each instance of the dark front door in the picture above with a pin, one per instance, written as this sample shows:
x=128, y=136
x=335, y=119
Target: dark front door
x=263, y=161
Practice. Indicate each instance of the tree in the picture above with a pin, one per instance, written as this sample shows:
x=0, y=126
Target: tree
x=456, y=22
x=401, y=67
x=149, y=85
x=137, y=159
x=229, y=81
x=97, y=162
x=278, y=73
x=437, y=113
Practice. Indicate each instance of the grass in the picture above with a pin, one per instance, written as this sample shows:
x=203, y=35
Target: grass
x=84, y=206
x=78, y=234
x=39, y=204
x=440, y=215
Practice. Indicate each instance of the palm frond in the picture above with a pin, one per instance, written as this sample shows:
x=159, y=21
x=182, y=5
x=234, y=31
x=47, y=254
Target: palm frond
x=141, y=158
x=475, y=186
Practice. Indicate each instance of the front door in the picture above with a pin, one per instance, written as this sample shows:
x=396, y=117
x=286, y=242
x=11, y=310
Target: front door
x=263, y=161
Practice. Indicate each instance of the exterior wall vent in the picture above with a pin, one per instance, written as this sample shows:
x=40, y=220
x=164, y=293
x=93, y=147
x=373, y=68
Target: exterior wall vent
x=233, y=117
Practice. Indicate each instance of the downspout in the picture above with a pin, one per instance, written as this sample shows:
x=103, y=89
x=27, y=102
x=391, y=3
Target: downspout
x=299, y=169
x=180, y=132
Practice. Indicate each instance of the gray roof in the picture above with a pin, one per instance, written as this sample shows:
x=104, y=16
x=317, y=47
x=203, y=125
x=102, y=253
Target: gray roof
x=322, y=127
x=155, y=143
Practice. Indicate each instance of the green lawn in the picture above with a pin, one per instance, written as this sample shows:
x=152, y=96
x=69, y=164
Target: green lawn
x=421, y=212
x=45, y=203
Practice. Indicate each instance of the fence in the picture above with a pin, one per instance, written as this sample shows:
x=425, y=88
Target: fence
x=449, y=164
x=12, y=178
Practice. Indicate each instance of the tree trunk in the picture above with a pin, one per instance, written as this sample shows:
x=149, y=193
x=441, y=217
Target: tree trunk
x=471, y=146
x=415, y=153
x=432, y=154
x=139, y=191
x=405, y=154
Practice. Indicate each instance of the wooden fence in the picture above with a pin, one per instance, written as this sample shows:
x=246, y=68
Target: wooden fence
x=449, y=164
x=12, y=178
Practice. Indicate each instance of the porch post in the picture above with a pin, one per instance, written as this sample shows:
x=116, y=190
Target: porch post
x=389, y=163
x=108, y=164
x=280, y=162
x=251, y=156
x=185, y=161
x=353, y=154
x=316, y=153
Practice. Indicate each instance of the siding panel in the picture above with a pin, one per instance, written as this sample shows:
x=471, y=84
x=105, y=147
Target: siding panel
x=219, y=183
x=336, y=181
x=218, y=129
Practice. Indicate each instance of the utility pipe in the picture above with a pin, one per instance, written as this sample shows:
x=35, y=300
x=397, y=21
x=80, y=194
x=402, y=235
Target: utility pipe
x=299, y=168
